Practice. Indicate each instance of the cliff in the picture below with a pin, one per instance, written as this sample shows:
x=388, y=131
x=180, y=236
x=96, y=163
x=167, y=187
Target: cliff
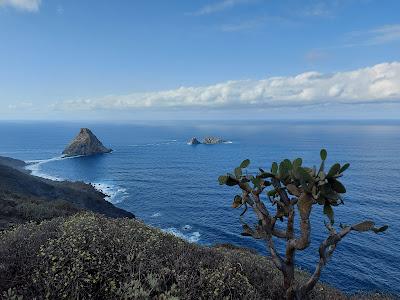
x=85, y=143
x=24, y=197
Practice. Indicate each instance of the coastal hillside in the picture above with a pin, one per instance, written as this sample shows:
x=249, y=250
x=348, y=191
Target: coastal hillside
x=88, y=256
x=13, y=163
x=24, y=197
x=76, y=254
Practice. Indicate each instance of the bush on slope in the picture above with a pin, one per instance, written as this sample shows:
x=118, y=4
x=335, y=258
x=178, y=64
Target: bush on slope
x=88, y=256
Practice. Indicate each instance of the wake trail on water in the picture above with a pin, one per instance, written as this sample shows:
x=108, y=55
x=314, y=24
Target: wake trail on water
x=34, y=167
x=168, y=143
x=154, y=144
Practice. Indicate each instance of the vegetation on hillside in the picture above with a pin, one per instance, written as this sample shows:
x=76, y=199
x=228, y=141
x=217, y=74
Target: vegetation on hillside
x=89, y=256
x=24, y=197
x=15, y=209
x=81, y=255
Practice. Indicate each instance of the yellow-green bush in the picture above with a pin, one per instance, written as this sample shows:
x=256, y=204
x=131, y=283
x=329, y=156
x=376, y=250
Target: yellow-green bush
x=88, y=256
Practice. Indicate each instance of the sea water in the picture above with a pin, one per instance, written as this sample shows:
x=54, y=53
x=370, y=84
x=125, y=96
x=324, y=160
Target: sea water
x=153, y=173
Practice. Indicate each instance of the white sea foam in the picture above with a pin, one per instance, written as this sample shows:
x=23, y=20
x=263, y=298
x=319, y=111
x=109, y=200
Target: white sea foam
x=156, y=215
x=35, y=167
x=186, y=227
x=114, y=194
x=192, y=237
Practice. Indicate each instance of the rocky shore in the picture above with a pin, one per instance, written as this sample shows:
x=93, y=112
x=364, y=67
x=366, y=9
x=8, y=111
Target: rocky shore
x=23, y=196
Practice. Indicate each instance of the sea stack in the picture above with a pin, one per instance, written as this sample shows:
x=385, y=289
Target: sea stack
x=193, y=141
x=212, y=140
x=85, y=143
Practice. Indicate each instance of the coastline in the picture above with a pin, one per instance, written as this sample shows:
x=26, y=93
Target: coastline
x=23, y=193
x=82, y=188
x=111, y=192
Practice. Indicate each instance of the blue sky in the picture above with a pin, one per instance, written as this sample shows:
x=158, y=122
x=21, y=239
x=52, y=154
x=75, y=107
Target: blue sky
x=221, y=59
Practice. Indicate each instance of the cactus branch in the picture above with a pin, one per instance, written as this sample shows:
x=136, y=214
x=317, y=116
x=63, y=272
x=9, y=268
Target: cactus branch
x=293, y=185
x=277, y=260
x=326, y=249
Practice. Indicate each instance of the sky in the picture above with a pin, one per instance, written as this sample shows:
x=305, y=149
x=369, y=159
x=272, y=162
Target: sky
x=211, y=59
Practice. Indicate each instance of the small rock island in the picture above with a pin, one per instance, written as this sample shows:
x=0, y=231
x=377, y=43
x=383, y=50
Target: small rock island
x=193, y=141
x=85, y=143
x=210, y=140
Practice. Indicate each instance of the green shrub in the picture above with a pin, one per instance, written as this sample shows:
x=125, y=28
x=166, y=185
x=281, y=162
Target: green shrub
x=88, y=256
x=15, y=209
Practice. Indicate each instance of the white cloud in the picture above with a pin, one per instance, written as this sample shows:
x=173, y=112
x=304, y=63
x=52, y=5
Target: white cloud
x=246, y=25
x=376, y=84
x=316, y=55
x=261, y=21
x=385, y=34
x=20, y=106
x=27, y=5
x=376, y=36
x=219, y=6
x=319, y=9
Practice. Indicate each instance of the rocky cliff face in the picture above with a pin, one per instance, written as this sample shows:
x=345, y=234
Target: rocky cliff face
x=85, y=143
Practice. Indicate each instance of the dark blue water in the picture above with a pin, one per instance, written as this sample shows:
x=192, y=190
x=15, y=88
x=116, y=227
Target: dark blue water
x=173, y=186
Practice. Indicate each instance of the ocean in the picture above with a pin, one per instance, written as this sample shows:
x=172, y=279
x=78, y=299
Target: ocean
x=173, y=186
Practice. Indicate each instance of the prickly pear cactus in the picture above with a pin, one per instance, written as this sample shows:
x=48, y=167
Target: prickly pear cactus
x=292, y=187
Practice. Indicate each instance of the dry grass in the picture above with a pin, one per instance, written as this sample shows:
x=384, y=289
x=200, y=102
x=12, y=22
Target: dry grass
x=88, y=256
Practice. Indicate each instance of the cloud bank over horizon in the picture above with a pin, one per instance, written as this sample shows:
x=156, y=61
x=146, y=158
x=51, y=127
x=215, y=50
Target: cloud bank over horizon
x=24, y=5
x=377, y=84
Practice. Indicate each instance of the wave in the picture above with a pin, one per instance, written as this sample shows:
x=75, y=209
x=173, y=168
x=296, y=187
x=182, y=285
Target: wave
x=193, y=237
x=154, y=144
x=114, y=193
x=186, y=227
x=156, y=215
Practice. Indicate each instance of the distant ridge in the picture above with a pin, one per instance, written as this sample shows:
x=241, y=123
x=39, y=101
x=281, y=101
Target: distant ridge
x=85, y=143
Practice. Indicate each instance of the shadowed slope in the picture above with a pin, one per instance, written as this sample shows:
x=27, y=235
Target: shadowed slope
x=25, y=197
